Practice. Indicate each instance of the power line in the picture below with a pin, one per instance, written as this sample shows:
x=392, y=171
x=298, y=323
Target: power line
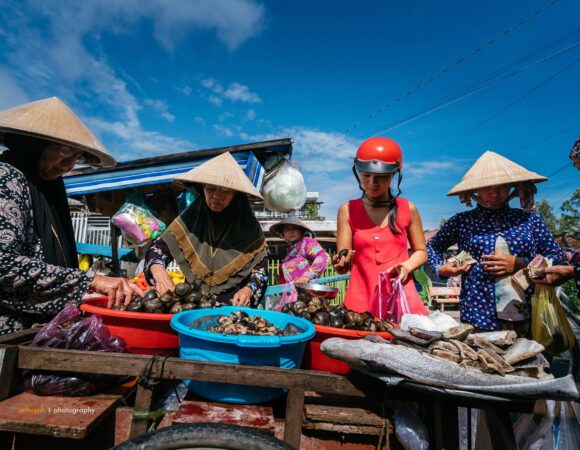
x=449, y=100
x=547, y=138
x=458, y=95
x=509, y=105
x=440, y=73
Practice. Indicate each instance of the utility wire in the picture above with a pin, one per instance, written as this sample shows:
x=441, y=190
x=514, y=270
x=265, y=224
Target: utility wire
x=547, y=138
x=458, y=95
x=440, y=73
x=509, y=105
x=449, y=100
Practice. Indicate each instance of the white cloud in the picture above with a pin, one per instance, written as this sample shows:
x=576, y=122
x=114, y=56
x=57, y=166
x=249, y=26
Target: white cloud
x=212, y=85
x=161, y=107
x=200, y=121
x=215, y=100
x=223, y=130
x=235, y=21
x=225, y=116
x=50, y=61
x=251, y=114
x=132, y=142
x=235, y=92
x=11, y=94
x=184, y=89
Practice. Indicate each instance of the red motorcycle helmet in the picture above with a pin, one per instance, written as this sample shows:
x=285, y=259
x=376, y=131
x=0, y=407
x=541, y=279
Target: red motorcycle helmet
x=379, y=155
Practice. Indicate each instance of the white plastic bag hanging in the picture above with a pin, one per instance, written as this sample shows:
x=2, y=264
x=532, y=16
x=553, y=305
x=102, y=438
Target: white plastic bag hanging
x=284, y=188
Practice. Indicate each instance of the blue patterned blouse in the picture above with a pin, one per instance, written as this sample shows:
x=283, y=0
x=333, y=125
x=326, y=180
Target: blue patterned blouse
x=476, y=232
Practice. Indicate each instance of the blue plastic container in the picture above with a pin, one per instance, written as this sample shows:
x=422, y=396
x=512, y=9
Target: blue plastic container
x=278, y=351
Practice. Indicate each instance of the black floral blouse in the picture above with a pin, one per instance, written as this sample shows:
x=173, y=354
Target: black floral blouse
x=31, y=291
x=257, y=280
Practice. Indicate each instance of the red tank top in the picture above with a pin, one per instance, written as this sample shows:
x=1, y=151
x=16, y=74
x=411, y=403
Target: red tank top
x=377, y=249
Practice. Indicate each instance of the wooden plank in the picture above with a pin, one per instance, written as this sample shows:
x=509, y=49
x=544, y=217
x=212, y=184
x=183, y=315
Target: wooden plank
x=341, y=415
x=254, y=416
x=294, y=417
x=67, y=417
x=8, y=371
x=343, y=429
x=181, y=369
x=19, y=337
x=142, y=406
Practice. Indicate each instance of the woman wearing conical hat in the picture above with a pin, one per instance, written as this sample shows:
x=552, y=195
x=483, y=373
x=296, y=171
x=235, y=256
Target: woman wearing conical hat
x=38, y=260
x=500, y=238
x=217, y=241
x=305, y=259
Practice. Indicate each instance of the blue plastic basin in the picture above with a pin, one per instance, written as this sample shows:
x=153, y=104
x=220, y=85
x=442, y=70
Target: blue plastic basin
x=278, y=351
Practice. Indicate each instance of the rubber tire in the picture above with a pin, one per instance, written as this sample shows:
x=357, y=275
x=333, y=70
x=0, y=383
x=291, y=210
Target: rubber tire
x=204, y=436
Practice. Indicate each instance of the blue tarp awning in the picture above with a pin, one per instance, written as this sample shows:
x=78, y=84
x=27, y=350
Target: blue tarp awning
x=162, y=172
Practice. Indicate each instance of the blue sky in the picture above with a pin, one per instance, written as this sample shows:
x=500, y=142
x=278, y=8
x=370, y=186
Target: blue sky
x=154, y=77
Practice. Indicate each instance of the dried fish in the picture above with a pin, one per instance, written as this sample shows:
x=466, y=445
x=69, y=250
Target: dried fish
x=444, y=345
x=486, y=345
x=493, y=361
x=459, y=332
x=523, y=349
x=471, y=364
x=499, y=338
x=444, y=354
x=408, y=337
x=465, y=350
x=420, y=367
x=426, y=334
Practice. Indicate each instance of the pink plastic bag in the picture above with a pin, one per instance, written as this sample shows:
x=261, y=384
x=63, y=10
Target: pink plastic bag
x=290, y=295
x=390, y=301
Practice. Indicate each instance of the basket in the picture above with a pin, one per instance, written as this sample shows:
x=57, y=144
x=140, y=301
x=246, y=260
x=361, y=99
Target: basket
x=314, y=359
x=145, y=333
x=277, y=351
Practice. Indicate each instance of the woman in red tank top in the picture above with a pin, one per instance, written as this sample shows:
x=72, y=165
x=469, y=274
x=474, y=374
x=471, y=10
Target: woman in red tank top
x=374, y=231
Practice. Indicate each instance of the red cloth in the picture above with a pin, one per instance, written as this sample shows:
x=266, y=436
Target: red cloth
x=377, y=249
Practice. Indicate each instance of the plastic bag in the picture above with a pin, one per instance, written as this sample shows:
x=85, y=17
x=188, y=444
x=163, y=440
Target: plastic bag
x=137, y=222
x=436, y=321
x=568, y=430
x=550, y=326
x=390, y=301
x=409, y=429
x=290, y=294
x=67, y=330
x=284, y=188
x=533, y=432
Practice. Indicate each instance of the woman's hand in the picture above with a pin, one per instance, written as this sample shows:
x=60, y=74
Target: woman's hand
x=501, y=265
x=401, y=270
x=119, y=290
x=302, y=280
x=163, y=282
x=553, y=275
x=242, y=297
x=344, y=263
x=449, y=270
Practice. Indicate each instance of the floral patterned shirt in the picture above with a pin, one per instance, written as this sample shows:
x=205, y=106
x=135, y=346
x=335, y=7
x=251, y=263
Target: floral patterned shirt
x=476, y=232
x=31, y=291
x=257, y=280
x=305, y=258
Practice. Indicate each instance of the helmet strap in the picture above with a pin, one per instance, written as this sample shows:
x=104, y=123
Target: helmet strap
x=380, y=203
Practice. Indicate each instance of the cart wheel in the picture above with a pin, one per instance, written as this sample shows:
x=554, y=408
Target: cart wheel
x=204, y=436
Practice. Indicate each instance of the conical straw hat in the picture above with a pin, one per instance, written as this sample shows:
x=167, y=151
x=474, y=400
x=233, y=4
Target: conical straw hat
x=278, y=227
x=52, y=120
x=492, y=169
x=224, y=171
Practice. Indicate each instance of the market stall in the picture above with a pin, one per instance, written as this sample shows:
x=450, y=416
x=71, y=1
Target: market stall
x=105, y=190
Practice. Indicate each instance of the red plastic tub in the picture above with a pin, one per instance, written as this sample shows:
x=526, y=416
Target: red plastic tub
x=145, y=333
x=314, y=359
